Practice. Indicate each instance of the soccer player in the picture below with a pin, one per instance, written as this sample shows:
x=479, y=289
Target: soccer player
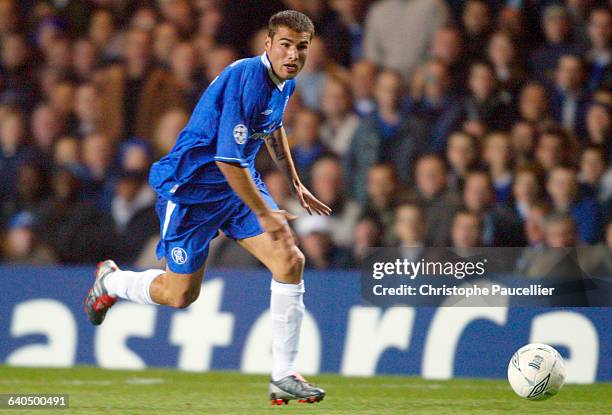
x=208, y=183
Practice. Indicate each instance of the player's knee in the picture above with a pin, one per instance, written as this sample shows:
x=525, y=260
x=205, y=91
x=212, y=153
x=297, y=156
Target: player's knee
x=290, y=266
x=184, y=298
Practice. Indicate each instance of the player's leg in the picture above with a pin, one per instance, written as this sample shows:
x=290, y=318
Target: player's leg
x=286, y=262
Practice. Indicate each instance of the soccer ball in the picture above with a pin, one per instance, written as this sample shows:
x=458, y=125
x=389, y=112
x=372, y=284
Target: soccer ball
x=536, y=372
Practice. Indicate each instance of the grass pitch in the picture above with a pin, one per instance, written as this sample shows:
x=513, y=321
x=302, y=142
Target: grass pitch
x=154, y=391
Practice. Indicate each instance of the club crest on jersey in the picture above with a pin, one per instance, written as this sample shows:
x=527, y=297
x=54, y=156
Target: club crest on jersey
x=179, y=256
x=240, y=133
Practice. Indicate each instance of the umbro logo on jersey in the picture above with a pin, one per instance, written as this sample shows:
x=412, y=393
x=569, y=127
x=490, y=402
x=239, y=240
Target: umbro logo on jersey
x=267, y=112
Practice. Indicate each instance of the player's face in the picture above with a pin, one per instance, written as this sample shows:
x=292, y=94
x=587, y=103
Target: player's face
x=287, y=51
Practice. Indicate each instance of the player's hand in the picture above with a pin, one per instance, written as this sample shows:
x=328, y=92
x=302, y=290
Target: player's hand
x=275, y=223
x=308, y=201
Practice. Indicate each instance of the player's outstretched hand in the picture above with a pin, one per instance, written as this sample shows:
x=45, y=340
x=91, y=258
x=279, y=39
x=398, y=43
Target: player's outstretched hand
x=309, y=202
x=275, y=223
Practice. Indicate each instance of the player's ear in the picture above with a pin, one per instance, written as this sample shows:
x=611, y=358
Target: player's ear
x=268, y=42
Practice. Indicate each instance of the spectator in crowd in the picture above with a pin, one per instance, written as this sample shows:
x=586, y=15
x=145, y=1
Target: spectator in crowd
x=185, y=64
x=340, y=122
x=278, y=187
x=557, y=27
x=343, y=31
x=88, y=117
x=534, y=103
x=17, y=86
x=22, y=245
x=103, y=32
x=367, y=234
x=9, y=17
x=409, y=226
x=383, y=136
x=13, y=149
x=167, y=129
x=315, y=240
x=562, y=188
x=553, y=148
x=500, y=226
x=461, y=155
x=592, y=169
x=402, y=21
x=523, y=138
x=67, y=151
x=534, y=225
x=137, y=93
x=447, y=47
x=46, y=126
x=219, y=57
x=327, y=185
x=97, y=156
x=599, y=55
x=503, y=54
x=432, y=101
x=165, y=41
x=569, y=98
x=526, y=190
x=363, y=80
x=85, y=60
x=307, y=143
x=466, y=231
x=31, y=188
x=599, y=127
x=476, y=22
x=383, y=192
x=438, y=200
x=497, y=154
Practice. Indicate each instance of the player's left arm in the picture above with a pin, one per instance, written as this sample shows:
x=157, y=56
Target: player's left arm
x=278, y=147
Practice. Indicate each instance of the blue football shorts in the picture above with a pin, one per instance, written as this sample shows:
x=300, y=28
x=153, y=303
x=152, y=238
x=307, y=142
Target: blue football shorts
x=187, y=229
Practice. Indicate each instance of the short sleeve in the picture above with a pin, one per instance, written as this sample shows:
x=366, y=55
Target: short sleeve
x=233, y=124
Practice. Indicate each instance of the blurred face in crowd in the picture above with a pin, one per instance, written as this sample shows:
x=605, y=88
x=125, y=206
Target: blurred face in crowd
x=97, y=153
x=136, y=159
x=556, y=28
x=59, y=54
x=180, y=13
x=327, y=180
x=430, y=176
x=465, y=230
x=14, y=51
x=317, y=246
x=277, y=186
x=211, y=20
x=437, y=81
x=101, y=28
x=446, y=45
x=501, y=50
x=460, y=152
x=549, y=151
x=137, y=47
x=478, y=194
x=592, y=165
x=66, y=151
x=482, y=81
x=561, y=233
x=317, y=56
x=600, y=28
x=184, y=60
x=388, y=91
x=62, y=98
x=562, y=187
x=86, y=102
x=476, y=17
x=526, y=187
x=497, y=151
x=85, y=58
x=12, y=131
x=569, y=73
x=363, y=79
x=306, y=128
x=534, y=225
x=218, y=59
x=335, y=99
x=20, y=242
x=409, y=225
x=523, y=137
x=533, y=104
x=167, y=129
x=144, y=19
x=599, y=124
x=165, y=40
x=288, y=50
x=9, y=18
x=46, y=125
x=30, y=186
x=367, y=234
x=382, y=185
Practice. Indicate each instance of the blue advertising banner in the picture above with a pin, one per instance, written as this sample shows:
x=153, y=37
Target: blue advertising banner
x=42, y=323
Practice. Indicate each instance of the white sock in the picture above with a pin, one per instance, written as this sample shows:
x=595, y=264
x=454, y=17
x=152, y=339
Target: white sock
x=287, y=311
x=133, y=286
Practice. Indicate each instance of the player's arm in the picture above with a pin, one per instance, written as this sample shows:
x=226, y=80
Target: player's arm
x=240, y=180
x=278, y=147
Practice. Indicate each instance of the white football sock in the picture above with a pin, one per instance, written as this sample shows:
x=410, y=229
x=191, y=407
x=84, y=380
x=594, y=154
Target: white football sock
x=287, y=311
x=133, y=286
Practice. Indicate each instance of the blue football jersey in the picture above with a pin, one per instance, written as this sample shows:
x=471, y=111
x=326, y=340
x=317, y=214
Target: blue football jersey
x=240, y=108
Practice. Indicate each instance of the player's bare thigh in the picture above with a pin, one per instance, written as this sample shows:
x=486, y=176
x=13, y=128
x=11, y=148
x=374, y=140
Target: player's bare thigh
x=282, y=257
x=177, y=290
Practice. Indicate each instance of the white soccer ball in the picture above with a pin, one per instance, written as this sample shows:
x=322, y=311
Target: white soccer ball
x=536, y=372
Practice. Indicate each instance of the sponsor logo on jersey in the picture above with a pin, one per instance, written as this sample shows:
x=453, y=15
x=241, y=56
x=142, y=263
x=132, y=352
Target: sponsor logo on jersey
x=240, y=133
x=179, y=256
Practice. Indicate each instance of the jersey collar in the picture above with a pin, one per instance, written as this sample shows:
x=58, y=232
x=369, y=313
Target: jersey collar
x=279, y=84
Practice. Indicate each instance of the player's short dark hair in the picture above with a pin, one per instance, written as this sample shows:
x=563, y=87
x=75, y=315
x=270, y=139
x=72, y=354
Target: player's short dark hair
x=294, y=20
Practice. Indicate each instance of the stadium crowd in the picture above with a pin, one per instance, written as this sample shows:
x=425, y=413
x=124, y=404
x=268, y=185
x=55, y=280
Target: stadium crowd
x=420, y=122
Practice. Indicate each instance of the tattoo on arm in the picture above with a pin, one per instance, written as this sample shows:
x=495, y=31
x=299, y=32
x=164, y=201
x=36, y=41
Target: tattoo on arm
x=279, y=151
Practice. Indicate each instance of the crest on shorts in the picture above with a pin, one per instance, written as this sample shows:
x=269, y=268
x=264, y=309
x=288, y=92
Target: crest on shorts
x=240, y=133
x=179, y=255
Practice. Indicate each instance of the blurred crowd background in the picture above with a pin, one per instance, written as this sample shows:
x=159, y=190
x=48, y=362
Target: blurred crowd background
x=420, y=122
